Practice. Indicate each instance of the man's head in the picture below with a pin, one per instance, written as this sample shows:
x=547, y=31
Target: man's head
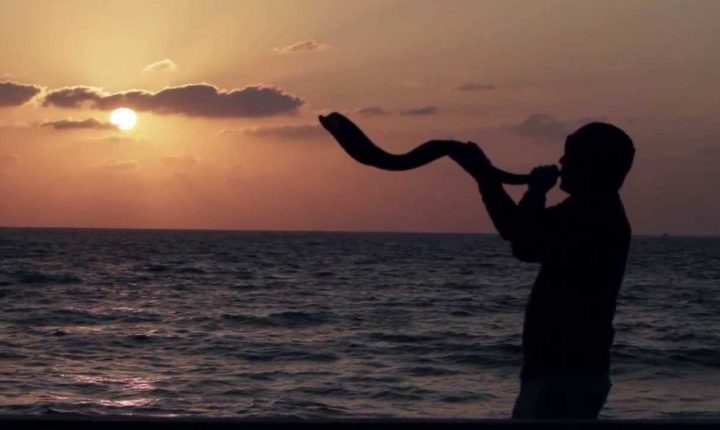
x=597, y=158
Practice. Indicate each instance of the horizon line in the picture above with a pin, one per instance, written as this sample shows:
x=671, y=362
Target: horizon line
x=329, y=231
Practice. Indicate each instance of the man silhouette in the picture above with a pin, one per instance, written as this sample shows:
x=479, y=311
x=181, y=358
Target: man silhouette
x=582, y=245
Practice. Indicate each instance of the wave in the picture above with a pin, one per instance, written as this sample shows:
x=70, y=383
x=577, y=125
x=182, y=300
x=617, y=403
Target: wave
x=287, y=319
x=286, y=354
x=666, y=357
x=428, y=371
x=32, y=277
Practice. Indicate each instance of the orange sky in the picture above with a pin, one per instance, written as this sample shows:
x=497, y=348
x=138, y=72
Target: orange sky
x=227, y=94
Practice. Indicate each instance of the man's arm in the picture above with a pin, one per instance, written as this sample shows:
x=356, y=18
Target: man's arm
x=522, y=224
x=530, y=230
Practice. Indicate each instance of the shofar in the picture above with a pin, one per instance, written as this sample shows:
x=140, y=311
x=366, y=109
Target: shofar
x=364, y=151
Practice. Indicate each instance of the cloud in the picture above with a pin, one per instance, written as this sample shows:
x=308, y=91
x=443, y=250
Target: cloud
x=472, y=86
x=372, y=111
x=114, y=140
x=195, y=100
x=302, y=131
x=15, y=93
x=302, y=46
x=14, y=124
x=541, y=126
x=425, y=110
x=705, y=156
x=8, y=160
x=74, y=124
x=187, y=161
x=74, y=97
x=166, y=65
x=120, y=166
x=544, y=126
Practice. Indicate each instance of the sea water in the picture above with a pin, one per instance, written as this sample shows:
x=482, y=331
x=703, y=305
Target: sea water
x=325, y=325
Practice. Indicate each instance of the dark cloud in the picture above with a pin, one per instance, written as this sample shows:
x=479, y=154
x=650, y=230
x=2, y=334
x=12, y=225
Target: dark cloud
x=74, y=97
x=709, y=151
x=302, y=46
x=303, y=131
x=426, y=110
x=15, y=93
x=166, y=65
x=74, y=124
x=187, y=161
x=120, y=166
x=544, y=126
x=372, y=111
x=706, y=156
x=471, y=86
x=199, y=100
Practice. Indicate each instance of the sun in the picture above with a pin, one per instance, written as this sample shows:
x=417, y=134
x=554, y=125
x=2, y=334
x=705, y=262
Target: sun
x=123, y=118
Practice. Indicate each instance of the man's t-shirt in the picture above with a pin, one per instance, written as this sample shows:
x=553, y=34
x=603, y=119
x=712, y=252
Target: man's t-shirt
x=582, y=244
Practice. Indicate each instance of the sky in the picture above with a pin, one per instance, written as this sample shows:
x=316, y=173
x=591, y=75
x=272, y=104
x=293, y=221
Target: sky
x=227, y=95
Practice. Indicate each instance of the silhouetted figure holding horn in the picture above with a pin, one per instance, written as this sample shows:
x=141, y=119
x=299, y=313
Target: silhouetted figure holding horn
x=581, y=243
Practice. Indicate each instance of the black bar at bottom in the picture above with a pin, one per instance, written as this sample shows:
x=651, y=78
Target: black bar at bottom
x=8, y=422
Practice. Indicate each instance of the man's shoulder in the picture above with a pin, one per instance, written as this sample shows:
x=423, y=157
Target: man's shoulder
x=602, y=216
x=565, y=207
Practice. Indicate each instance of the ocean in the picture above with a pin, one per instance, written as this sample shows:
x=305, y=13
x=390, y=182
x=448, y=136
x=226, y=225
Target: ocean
x=325, y=325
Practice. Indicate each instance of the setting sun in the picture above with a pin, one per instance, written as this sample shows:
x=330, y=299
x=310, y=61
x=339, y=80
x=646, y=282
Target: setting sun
x=123, y=118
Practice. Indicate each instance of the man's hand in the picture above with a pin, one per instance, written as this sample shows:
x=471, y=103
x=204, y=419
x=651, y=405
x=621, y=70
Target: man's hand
x=472, y=159
x=543, y=178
